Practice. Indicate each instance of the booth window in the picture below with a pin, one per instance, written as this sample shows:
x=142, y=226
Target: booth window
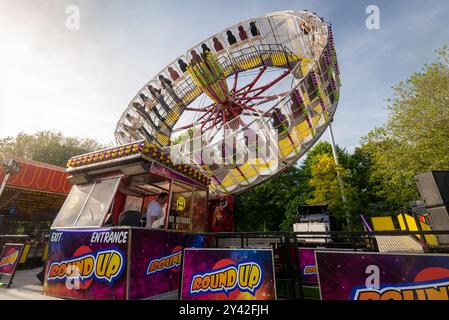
x=133, y=204
x=180, y=217
x=87, y=205
x=72, y=205
x=200, y=214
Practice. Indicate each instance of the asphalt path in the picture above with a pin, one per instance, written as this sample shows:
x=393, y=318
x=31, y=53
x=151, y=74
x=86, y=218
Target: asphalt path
x=25, y=286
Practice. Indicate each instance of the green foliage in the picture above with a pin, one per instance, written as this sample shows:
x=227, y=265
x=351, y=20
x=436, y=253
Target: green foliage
x=326, y=190
x=415, y=138
x=183, y=137
x=262, y=208
x=47, y=146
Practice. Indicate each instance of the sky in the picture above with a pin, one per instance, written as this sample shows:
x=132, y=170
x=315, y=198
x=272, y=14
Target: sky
x=79, y=82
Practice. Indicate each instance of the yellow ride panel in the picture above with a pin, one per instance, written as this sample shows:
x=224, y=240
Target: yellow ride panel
x=162, y=138
x=382, y=223
x=250, y=63
x=410, y=224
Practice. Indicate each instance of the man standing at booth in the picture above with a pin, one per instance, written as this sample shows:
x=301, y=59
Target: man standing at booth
x=155, y=214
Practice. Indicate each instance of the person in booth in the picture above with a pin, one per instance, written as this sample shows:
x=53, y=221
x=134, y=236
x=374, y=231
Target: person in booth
x=155, y=214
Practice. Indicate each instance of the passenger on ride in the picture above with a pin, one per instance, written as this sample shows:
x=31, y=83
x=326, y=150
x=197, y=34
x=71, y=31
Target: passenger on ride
x=205, y=48
x=297, y=111
x=279, y=121
x=151, y=106
x=164, y=81
x=173, y=74
x=253, y=29
x=167, y=85
x=141, y=110
x=242, y=33
x=182, y=65
x=217, y=45
x=124, y=138
x=231, y=38
x=146, y=134
x=195, y=57
x=157, y=94
x=305, y=27
x=134, y=125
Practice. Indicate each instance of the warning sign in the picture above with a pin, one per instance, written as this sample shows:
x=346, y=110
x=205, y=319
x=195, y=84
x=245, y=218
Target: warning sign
x=181, y=203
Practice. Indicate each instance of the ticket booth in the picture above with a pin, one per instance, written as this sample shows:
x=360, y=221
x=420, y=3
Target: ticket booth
x=100, y=245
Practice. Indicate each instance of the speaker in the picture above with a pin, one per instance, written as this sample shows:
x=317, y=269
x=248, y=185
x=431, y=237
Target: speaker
x=439, y=220
x=434, y=188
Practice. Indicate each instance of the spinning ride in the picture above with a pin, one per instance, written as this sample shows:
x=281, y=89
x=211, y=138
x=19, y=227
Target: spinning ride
x=273, y=76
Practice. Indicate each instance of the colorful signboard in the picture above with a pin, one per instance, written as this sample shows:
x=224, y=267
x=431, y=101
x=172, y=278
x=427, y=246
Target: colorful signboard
x=181, y=203
x=87, y=264
x=380, y=276
x=228, y=274
x=10, y=258
x=156, y=258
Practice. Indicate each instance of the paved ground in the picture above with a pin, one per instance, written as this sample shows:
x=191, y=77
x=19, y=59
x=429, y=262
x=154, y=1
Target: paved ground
x=25, y=286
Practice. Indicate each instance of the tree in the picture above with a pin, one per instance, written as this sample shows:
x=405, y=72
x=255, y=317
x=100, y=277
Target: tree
x=326, y=189
x=47, y=146
x=415, y=138
x=263, y=207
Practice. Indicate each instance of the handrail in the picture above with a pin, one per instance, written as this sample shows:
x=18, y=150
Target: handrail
x=324, y=233
x=14, y=236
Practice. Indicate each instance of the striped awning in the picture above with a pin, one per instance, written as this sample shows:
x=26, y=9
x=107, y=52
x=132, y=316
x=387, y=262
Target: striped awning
x=36, y=192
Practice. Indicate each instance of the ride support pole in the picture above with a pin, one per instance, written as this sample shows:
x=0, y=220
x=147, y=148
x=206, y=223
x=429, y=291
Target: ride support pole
x=339, y=178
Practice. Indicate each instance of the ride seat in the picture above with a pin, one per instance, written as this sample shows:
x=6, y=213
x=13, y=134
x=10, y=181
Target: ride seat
x=130, y=218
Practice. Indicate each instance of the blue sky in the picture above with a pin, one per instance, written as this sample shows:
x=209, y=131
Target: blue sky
x=79, y=82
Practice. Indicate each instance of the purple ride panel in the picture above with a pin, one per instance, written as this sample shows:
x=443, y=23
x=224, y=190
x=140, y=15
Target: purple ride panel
x=87, y=264
x=156, y=262
x=379, y=276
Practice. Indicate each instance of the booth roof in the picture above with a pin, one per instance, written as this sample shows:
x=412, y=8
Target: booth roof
x=144, y=148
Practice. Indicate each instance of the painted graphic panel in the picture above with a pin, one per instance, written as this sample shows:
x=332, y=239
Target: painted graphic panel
x=87, y=264
x=228, y=274
x=156, y=258
x=376, y=276
x=10, y=258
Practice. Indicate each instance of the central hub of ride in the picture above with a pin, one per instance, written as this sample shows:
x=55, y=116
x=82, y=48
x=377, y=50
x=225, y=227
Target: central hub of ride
x=207, y=73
